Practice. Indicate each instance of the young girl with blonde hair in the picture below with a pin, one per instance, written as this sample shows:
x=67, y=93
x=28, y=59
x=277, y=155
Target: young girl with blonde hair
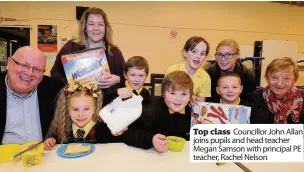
x=76, y=118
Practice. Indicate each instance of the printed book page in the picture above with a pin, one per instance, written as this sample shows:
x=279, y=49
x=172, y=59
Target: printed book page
x=215, y=113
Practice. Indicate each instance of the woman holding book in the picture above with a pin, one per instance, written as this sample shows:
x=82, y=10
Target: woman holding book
x=281, y=102
x=94, y=31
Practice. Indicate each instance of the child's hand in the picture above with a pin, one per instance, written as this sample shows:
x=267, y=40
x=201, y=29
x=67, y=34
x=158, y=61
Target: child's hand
x=49, y=143
x=125, y=92
x=120, y=133
x=197, y=99
x=160, y=143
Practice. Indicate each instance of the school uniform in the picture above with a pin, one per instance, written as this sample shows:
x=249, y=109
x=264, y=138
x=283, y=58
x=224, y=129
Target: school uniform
x=109, y=96
x=157, y=118
x=201, y=79
x=92, y=133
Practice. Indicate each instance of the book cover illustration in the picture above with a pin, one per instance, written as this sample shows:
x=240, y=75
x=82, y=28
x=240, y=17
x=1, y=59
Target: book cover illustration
x=85, y=66
x=215, y=113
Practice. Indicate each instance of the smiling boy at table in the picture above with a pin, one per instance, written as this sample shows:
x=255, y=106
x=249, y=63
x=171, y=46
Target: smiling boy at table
x=169, y=116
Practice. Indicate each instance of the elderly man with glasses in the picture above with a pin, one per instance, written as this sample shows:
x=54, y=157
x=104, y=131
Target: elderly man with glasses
x=27, y=100
x=227, y=61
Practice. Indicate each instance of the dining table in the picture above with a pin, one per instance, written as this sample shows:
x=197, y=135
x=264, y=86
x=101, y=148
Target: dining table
x=118, y=157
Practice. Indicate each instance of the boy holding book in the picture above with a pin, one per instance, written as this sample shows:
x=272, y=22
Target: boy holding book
x=169, y=116
x=229, y=87
x=136, y=71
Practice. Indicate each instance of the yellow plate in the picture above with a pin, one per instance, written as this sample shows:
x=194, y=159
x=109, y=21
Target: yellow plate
x=8, y=151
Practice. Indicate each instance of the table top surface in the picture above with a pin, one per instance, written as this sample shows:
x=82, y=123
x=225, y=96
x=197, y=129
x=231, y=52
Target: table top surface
x=118, y=157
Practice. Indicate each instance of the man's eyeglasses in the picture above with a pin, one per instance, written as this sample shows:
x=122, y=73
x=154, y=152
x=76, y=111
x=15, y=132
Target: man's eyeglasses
x=26, y=67
x=226, y=56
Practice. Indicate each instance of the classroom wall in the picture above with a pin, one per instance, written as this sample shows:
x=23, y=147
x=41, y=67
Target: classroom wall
x=143, y=28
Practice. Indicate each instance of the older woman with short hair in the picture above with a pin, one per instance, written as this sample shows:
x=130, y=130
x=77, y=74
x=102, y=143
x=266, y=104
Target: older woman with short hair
x=280, y=102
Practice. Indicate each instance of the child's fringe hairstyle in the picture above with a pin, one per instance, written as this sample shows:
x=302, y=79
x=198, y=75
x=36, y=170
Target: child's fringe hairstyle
x=177, y=80
x=61, y=125
x=231, y=74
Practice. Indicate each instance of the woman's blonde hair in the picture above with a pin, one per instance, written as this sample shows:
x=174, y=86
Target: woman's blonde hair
x=61, y=125
x=230, y=43
x=280, y=64
x=83, y=36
